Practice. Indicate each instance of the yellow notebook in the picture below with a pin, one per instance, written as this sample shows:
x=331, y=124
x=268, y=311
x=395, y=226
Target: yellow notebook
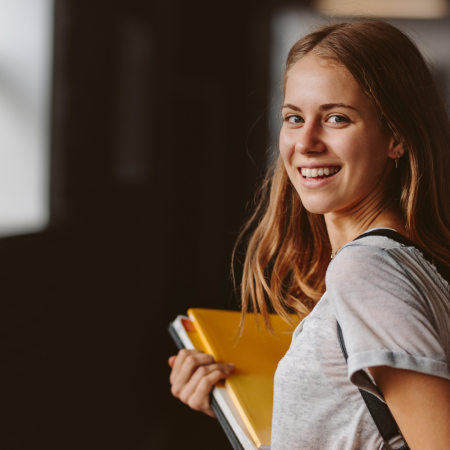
x=255, y=354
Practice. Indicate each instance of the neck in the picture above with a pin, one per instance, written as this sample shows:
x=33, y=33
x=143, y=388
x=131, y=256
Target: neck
x=344, y=226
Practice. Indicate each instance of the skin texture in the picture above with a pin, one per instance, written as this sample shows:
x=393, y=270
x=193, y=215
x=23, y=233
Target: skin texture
x=329, y=121
x=348, y=137
x=193, y=375
x=420, y=404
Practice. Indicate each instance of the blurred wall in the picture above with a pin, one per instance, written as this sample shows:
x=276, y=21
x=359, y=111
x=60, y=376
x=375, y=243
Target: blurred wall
x=156, y=150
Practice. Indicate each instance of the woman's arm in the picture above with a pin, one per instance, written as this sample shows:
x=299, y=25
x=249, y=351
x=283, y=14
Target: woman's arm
x=420, y=404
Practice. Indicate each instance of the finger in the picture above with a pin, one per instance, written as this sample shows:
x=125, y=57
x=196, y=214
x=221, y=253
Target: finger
x=172, y=360
x=186, y=361
x=199, y=400
x=189, y=365
x=179, y=361
x=201, y=372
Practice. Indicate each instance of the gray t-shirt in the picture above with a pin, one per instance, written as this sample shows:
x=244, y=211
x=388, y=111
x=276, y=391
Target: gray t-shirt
x=394, y=310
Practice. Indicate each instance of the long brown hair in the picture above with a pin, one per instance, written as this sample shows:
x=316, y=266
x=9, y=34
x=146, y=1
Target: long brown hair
x=288, y=251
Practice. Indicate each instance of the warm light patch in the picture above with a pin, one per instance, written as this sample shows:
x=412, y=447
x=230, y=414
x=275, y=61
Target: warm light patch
x=398, y=9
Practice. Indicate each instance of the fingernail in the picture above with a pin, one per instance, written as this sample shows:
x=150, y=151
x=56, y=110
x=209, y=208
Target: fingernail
x=226, y=372
x=231, y=366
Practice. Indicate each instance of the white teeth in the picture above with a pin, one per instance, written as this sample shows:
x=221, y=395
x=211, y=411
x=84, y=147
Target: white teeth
x=319, y=172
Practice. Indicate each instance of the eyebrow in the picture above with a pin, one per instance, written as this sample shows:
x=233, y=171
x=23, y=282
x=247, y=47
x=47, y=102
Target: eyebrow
x=325, y=107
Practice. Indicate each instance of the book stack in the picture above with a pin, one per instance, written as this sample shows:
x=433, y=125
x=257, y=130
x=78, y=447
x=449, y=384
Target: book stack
x=243, y=404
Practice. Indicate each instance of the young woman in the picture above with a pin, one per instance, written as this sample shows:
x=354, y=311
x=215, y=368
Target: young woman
x=365, y=145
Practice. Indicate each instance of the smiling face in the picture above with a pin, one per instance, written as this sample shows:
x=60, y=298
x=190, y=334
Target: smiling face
x=332, y=144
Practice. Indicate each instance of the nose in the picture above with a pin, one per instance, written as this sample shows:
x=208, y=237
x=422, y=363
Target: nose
x=309, y=139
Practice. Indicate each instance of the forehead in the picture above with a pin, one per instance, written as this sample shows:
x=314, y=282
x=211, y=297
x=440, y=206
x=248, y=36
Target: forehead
x=315, y=79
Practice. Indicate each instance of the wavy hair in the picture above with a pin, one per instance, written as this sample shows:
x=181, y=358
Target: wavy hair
x=287, y=247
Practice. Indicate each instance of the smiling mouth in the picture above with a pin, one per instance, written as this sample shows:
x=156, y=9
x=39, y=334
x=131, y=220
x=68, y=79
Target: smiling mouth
x=318, y=173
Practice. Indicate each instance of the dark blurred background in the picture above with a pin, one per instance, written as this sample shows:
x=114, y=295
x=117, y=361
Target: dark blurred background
x=160, y=126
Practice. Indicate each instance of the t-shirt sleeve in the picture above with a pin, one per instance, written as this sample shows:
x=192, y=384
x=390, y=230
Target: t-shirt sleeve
x=385, y=317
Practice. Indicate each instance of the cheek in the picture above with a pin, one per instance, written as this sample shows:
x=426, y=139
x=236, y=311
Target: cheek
x=287, y=145
x=359, y=150
x=347, y=146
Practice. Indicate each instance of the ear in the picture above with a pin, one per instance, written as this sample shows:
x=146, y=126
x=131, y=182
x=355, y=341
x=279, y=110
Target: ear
x=396, y=149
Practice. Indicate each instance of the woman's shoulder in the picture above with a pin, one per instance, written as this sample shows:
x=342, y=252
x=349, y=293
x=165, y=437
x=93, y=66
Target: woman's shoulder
x=392, y=305
x=368, y=255
x=382, y=259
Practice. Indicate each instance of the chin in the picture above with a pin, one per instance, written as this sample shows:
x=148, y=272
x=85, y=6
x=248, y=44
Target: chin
x=315, y=205
x=315, y=209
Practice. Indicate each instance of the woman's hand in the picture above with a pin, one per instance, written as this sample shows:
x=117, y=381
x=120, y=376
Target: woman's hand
x=193, y=375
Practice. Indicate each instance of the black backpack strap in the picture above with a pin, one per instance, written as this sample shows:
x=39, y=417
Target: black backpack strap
x=387, y=232
x=381, y=415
